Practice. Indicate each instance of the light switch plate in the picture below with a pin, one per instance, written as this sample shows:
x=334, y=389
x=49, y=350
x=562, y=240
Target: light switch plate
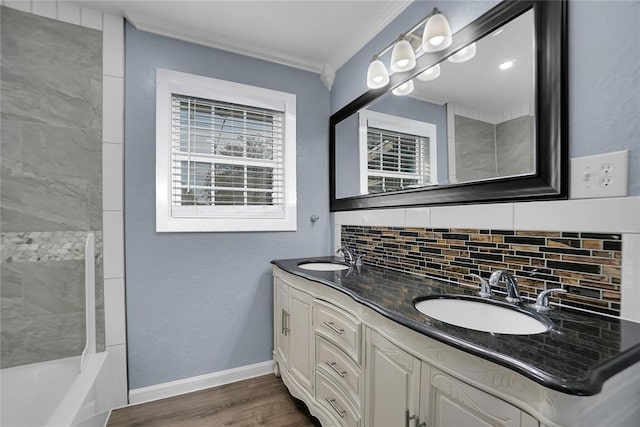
x=601, y=175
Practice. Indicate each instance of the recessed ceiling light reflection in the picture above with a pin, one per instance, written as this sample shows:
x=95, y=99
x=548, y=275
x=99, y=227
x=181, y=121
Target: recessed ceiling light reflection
x=505, y=65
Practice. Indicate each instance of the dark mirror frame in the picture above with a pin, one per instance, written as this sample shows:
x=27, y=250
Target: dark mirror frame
x=550, y=180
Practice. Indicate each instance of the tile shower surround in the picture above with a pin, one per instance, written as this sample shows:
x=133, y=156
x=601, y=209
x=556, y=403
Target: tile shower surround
x=51, y=186
x=587, y=265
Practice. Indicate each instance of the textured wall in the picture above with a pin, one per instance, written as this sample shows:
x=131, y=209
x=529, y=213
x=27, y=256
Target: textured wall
x=51, y=184
x=604, y=72
x=202, y=302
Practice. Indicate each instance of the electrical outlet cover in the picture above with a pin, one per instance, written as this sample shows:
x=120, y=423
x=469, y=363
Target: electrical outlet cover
x=601, y=175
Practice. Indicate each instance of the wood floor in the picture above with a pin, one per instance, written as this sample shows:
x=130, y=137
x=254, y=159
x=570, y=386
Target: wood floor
x=261, y=401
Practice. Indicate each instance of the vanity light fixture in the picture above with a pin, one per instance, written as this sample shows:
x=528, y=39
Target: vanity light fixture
x=404, y=89
x=377, y=75
x=430, y=73
x=403, y=58
x=464, y=54
x=437, y=32
x=435, y=37
x=506, y=64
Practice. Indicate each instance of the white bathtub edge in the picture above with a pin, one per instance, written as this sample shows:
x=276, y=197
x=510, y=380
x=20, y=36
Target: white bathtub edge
x=200, y=382
x=71, y=406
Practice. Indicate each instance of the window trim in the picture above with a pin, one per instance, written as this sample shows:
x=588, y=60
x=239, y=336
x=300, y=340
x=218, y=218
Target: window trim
x=170, y=82
x=368, y=118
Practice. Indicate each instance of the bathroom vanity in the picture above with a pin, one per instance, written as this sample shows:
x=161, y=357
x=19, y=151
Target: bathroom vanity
x=353, y=347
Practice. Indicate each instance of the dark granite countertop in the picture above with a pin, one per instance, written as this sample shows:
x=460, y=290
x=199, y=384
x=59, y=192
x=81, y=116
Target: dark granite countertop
x=576, y=356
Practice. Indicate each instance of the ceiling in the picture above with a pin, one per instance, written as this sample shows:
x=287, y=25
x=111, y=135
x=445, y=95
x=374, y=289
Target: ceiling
x=313, y=35
x=472, y=83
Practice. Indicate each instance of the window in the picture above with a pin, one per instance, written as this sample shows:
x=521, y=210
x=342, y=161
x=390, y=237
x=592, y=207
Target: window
x=396, y=153
x=225, y=156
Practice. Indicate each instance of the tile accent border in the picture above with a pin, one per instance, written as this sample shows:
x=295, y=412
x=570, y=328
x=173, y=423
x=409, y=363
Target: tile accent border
x=587, y=265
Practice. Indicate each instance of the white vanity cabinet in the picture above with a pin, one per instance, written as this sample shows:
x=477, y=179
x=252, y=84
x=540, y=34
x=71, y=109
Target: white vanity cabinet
x=354, y=367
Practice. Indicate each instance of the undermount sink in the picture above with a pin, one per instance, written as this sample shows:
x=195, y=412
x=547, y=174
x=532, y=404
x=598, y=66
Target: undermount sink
x=481, y=316
x=323, y=266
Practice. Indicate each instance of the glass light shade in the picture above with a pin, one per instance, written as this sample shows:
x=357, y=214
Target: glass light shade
x=404, y=89
x=437, y=34
x=377, y=75
x=403, y=58
x=430, y=73
x=463, y=54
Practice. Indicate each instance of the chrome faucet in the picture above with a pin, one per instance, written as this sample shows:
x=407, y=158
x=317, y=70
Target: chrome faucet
x=345, y=255
x=485, y=288
x=513, y=293
x=542, y=302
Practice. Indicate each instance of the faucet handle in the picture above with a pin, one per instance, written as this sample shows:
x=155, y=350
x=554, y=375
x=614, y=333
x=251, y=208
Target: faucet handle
x=345, y=254
x=485, y=287
x=542, y=302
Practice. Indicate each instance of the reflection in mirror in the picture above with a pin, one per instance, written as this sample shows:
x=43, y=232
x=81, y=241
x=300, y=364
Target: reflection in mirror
x=469, y=118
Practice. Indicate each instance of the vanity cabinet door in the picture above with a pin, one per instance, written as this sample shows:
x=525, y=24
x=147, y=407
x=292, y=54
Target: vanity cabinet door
x=281, y=313
x=457, y=404
x=301, y=337
x=293, y=332
x=392, y=384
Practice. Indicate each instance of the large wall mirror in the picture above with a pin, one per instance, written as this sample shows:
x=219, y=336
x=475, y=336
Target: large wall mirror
x=485, y=122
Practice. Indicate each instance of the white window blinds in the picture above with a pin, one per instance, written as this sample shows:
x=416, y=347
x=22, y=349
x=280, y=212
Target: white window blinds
x=226, y=155
x=396, y=160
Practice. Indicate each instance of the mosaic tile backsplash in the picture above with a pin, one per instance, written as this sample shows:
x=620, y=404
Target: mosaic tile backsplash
x=587, y=265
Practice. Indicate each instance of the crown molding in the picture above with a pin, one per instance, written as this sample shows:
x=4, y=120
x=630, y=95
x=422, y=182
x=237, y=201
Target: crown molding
x=226, y=44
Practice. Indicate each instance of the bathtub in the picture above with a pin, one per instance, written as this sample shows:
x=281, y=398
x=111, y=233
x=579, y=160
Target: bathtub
x=55, y=394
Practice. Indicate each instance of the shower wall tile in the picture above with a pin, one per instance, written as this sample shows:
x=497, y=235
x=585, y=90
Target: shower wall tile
x=11, y=146
x=40, y=338
x=26, y=204
x=514, y=146
x=51, y=186
x=475, y=149
x=53, y=287
x=31, y=92
x=112, y=109
x=112, y=184
x=10, y=291
x=62, y=153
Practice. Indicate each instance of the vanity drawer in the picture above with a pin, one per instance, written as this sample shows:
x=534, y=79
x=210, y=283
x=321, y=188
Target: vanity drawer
x=330, y=396
x=338, y=326
x=335, y=364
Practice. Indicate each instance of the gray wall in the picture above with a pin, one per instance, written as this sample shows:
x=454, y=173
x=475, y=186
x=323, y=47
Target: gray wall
x=202, y=302
x=604, y=72
x=51, y=185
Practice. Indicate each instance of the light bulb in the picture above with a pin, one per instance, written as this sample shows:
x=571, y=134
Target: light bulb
x=404, y=89
x=437, y=40
x=377, y=75
x=430, y=73
x=463, y=54
x=403, y=57
x=437, y=33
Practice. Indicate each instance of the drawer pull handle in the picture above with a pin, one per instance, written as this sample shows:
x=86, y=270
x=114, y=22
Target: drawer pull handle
x=332, y=403
x=285, y=322
x=333, y=328
x=332, y=365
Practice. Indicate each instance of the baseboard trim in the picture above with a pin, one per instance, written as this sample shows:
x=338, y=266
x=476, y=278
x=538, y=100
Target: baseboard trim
x=200, y=382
